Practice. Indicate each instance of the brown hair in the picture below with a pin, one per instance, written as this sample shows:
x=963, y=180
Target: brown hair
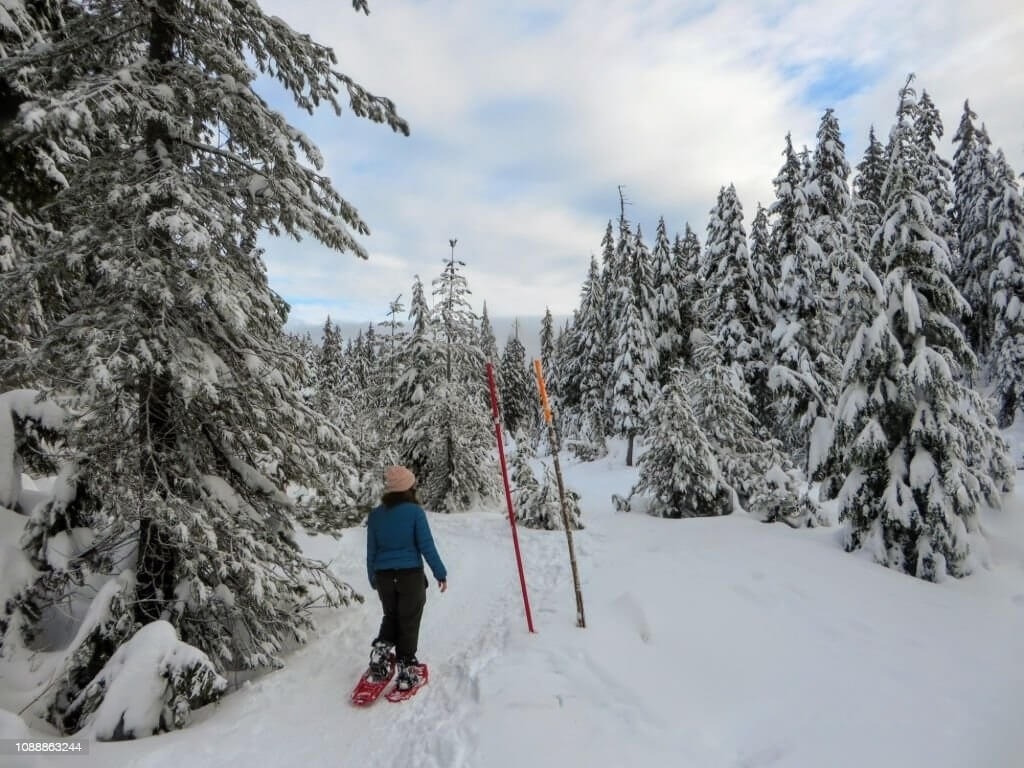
x=395, y=498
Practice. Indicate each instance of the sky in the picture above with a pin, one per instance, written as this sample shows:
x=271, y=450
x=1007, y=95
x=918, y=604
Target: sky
x=525, y=118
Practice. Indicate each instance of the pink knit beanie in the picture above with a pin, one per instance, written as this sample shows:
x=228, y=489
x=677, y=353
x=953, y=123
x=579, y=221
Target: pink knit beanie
x=398, y=479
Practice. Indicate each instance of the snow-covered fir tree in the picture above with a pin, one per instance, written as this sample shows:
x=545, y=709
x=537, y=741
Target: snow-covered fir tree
x=27, y=186
x=910, y=495
x=634, y=373
x=761, y=259
x=460, y=469
x=548, y=355
x=390, y=360
x=331, y=373
x=488, y=342
x=679, y=471
x=548, y=515
x=584, y=371
x=302, y=348
x=871, y=173
x=972, y=175
x=779, y=498
x=746, y=456
x=421, y=373
x=828, y=196
x=552, y=373
x=666, y=320
x=804, y=371
x=730, y=311
x=489, y=347
x=936, y=173
x=569, y=364
x=689, y=251
x=644, y=281
x=686, y=256
x=615, y=302
x=609, y=267
x=867, y=205
x=167, y=337
x=518, y=397
x=1006, y=214
x=765, y=285
x=525, y=488
x=538, y=505
x=789, y=194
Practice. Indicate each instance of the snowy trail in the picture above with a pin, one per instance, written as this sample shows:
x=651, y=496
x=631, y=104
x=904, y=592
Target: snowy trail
x=301, y=716
x=717, y=643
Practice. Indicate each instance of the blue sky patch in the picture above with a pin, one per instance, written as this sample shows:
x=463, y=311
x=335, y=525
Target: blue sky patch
x=835, y=81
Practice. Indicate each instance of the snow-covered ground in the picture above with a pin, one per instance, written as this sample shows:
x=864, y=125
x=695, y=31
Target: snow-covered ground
x=712, y=642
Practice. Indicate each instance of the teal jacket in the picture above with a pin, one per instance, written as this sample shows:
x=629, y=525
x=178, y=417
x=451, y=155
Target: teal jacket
x=399, y=537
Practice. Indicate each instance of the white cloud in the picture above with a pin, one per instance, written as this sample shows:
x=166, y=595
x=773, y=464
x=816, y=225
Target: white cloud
x=517, y=134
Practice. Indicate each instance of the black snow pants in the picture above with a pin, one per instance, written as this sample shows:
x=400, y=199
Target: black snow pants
x=403, y=593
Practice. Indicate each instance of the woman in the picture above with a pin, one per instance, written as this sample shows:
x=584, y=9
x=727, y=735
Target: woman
x=397, y=539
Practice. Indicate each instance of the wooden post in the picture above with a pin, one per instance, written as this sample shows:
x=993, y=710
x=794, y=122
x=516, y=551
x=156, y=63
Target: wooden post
x=581, y=620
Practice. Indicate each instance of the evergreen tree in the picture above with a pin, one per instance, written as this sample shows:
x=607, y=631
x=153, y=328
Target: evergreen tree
x=548, y=515
x=460, y=470
x=525, y=488
x=26, y=188
x=539, y=506
x=616, y=307
x=686, y=256
x=518, y=396
x=584, y=372
x=828, y=196
x=936, y=174
x=689, y=251
x=765, y=286
x=644, y=279
x=570, y=364
x=867, y=206
x=303, y=349
x=611, y=257
x=633, y=382
x=549, y=356
x=666, y=320
x=972, y=174
x=1006, y=215
x=723, y=405
x=488, y=343
x=421, y=369
x=332, y=381
x=804, y=371
x=166, y=335
x=806, y=164
x=679, y=470
x=390, y=359
x=911, y=494
x=788, y=183
x=609, y=264
x=871, y=174
x=730, y=309
x=489, y=346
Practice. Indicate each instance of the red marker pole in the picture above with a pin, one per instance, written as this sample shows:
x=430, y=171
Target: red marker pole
x=508, y=492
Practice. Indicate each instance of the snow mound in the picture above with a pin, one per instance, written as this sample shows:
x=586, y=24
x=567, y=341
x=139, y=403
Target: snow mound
x=149, y=685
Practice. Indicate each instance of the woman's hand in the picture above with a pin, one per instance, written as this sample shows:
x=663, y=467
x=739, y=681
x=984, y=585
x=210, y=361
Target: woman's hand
x=442, y=585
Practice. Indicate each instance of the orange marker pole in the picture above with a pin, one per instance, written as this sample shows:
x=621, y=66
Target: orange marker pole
x=553, y=440
x=508, y=493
